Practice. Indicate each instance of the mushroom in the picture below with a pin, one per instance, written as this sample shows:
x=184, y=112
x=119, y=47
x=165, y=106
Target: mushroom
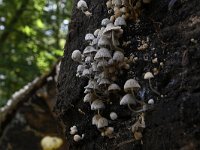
x=103, y=53
x=119, y=21
x=97, y=105
x=113, y=33
x=114, y=88
x=127, y=100
x=118, y=56
x=73, y=130
x=102, y=122
x=89, y=37
x=103, y=42
x=82, y=5
x=95, y=119
x=89, y=97
x=108, y=132
x=148, y=76
x=151, y=102
x=77, y=137
x=96, y=32
x=105, y=21
x=113, y=116
x=76, y=56
x=131, y=85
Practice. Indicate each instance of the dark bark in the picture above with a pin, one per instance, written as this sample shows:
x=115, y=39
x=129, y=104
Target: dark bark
x=175, y=121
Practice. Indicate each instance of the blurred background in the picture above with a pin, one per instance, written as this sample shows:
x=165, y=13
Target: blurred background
x=32, y=38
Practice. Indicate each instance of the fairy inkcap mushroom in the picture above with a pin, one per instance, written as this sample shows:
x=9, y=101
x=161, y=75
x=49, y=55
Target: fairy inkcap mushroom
x=73, y=130
x=80, y=69
x=102, y=122
x=103, y=53
x=102, y=64
x=109, y=131
x=127, y=100
x=104, y=82
x=151, y=102
x=96, y=32
x=76, y=56
x=113, y=88
x=113, y=116
x=89, y=97
x=95, y=119
x=89, y=37
x=78, y=137
x=105, y=21
x=118, y=56
x=149, y=76
x=82, y=5
x=119, y=21
x=103, y=41
x=131, y=85
x=97, y=105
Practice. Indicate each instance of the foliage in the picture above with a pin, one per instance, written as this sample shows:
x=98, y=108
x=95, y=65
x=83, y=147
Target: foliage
x=31, y=39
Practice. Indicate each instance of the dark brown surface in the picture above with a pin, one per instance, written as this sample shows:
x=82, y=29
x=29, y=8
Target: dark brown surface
x=175, y=121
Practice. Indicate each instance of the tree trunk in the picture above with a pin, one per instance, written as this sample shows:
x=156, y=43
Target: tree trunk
x=172, y=34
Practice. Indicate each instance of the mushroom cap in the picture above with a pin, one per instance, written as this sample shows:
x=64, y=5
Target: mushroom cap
x=89, y=50
x=103, y=41
x=89, y=37
x=105, y=21
x=119, y=21
x=76, y=56
x=86, y=72
x=130, y=85
x=128, y=99
x=102, y=122
x=114, y=87
x=109, y=131
x=87, y=91
x=110, y=27
x=97, y=104
x=80, y=68
x=113, y=116
x=96, y=32
x=82, y=5
x=117, y=3
x=88, y=97
x=77, y=138
x=118, y=56
x=148, y=75
x=73, y=130
x=100, y=33
x=95, y=119
x=104, y=81
x=151, y=102
x=92, y=84
x=103, y=53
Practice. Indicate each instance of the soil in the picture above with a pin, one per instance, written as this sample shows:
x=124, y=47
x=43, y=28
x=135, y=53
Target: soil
x=173, y=32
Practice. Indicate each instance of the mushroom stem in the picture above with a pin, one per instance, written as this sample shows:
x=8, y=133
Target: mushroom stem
x=131, y=109
x=141, y=103
x=113, y=43
x=98, y=112
x=153, y=90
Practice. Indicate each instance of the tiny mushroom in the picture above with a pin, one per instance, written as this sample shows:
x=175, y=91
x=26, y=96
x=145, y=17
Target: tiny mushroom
x=95, y=119
x=120, y=21
x=148, y=76
x=127, y=100
x=73, y=130
x=76, y=56
x=114, y=88
x=113, y=116
x=77, y=137
x=82, y=5
x=102, y=122
x=97, y=105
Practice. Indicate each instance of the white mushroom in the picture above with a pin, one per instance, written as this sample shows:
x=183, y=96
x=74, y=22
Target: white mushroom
x=76, y=56
x=97, y=105
x=127, y=100
x=113, y=116
x=103, y=53
x=103, y=42
x=95, y=119
x=131, y=85
x=118, y=56
x=102, y=122
x=89, y=97
x=148, y=76
x=89, y=37
x=82, y=5
x=151, y=102
x=77, y=137
x=119, y=21
x=105, y=21
x=73, y=130
x=114, y=88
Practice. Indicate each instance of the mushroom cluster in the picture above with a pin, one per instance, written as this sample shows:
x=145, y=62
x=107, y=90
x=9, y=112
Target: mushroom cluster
x=102, y=61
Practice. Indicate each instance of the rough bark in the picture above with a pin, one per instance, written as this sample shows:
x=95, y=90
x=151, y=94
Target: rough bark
x=174, y=37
